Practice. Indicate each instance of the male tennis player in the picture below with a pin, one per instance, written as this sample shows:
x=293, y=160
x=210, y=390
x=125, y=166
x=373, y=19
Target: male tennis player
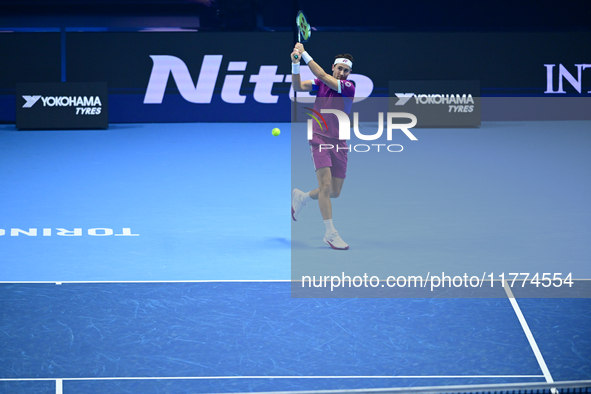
x=334, y=92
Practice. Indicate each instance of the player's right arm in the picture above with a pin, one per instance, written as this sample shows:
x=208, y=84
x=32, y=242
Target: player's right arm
x=298, y=84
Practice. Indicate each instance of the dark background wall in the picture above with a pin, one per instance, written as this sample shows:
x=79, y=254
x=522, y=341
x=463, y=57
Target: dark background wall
x=419, y=15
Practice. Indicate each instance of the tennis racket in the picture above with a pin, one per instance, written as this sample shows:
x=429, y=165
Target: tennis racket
x=304, y=29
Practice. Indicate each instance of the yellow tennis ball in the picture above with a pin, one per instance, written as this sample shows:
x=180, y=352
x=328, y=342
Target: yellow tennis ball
x=275, y=131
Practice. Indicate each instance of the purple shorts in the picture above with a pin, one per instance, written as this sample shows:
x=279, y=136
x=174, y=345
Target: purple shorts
x=329, y=152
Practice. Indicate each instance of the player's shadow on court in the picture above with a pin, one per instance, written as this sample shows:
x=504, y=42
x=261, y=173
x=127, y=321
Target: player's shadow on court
x=279, y=242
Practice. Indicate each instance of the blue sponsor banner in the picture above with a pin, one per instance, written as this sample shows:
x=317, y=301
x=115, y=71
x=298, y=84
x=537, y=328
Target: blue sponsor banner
x=7, y=108
x=246, y=77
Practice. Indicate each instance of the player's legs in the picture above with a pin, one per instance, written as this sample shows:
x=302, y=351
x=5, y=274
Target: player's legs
x=324, y=176
x=297, y=204
x=299, y=198
x=337, y=186
x=336, y=160
x=322, y=160
x=330, y=185
x=330, y=171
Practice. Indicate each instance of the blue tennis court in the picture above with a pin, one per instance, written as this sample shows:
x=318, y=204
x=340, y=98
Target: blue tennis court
x=159, y=258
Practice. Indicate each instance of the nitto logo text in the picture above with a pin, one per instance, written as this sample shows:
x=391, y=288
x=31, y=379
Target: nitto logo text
x=202, y=91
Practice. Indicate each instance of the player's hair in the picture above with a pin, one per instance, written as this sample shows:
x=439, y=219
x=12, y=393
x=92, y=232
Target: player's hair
x=344, y=55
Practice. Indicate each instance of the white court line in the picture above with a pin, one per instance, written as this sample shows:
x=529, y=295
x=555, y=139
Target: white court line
x=176, y=281
x=528, y=334
x=59, y=382
x=148, y=281
x=278, y=377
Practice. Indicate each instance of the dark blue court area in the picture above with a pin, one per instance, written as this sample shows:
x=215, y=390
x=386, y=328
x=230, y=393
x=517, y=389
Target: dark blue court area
x=237, y=337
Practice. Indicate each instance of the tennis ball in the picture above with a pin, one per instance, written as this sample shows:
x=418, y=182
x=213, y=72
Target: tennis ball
x=275, y=131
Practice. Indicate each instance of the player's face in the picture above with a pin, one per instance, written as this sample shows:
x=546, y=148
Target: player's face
x=340, y=71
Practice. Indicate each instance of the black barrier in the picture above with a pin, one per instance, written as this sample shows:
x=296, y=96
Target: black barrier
x=29, y=57
x=26, y=58
x=62, y=106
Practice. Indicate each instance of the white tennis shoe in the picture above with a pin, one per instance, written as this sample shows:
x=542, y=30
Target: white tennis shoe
x=335, y=241
x=296, y=204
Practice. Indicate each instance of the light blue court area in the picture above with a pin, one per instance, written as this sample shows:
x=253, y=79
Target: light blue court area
x=145, y=202
x=504, y=197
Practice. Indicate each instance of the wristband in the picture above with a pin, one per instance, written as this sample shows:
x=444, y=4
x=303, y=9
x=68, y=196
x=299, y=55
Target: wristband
x=307, y=58
x=295, y=68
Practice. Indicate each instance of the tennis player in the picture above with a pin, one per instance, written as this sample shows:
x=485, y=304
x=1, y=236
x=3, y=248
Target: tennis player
x=334, y=92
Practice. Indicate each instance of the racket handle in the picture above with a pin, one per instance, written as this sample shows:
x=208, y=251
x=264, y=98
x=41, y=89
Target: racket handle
x=296, y=56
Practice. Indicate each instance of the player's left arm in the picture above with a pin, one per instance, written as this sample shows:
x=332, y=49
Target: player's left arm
x=328, y=79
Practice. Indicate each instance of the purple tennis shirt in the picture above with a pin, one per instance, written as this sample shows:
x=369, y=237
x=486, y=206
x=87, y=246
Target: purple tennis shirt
x=327, y=98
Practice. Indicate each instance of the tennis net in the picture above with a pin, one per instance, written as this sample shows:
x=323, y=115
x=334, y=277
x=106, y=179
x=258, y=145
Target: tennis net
x=566, y=387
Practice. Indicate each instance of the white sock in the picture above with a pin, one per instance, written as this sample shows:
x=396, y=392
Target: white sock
x=305, y=198
x=329, y=227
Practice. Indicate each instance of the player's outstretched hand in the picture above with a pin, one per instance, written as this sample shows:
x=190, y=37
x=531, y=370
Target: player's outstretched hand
x=293, y=53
